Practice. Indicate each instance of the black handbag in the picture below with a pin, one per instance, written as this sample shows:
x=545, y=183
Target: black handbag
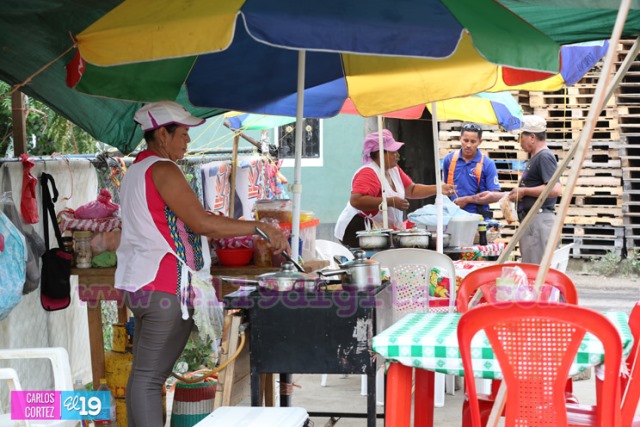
x=55, y=285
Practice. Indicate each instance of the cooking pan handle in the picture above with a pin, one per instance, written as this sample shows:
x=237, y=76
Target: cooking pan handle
x=340, y=259
x=239, y=280
x=332, y=273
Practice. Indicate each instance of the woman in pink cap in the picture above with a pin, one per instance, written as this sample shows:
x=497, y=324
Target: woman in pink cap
x=366, y=190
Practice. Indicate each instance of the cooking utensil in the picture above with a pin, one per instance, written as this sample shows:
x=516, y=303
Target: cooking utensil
x=373, y=239
x=413, y=238
x=284, y=254
x=358, y=274
x=287, y=279
x=446, y=238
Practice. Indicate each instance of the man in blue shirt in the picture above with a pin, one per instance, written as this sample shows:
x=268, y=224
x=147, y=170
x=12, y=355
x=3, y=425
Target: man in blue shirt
x=473, y=172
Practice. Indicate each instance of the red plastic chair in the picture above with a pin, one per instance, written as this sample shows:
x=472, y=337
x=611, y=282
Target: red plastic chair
x=535, y=344
x=585, y=415
x=487, y=276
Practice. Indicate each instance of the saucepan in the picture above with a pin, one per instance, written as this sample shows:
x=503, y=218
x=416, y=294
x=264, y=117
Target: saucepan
x=413, y=238
x=287, y=279
x=373, y=239
x=445, y=240
x=359, y=274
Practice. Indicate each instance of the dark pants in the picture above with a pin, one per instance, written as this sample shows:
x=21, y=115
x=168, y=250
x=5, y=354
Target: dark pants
x=159, y=337
x=356, y=224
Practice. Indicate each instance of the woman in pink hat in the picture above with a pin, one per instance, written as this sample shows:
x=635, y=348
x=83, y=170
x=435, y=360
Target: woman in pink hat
x=366, y=190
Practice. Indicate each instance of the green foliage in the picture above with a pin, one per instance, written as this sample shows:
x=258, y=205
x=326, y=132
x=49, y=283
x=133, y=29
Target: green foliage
x=607, y=265
x=196, y=355
x=51, y=132
x=630, y=266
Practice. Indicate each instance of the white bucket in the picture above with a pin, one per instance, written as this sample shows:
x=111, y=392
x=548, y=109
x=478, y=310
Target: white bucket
x=463, y=229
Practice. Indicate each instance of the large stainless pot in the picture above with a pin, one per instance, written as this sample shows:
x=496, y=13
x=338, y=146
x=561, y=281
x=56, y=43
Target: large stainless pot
x=358, y=274
x=287, y=279
x=373, y=239
x=413, y=238
x=445, y=240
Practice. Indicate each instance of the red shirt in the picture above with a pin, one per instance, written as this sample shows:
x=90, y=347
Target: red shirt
x=367, y=183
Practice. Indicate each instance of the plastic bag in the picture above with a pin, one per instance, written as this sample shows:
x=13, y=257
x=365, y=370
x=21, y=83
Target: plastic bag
x=513, y=285
x=100, y=208
x=28, y=203
x=508, y=210
x=428, y=214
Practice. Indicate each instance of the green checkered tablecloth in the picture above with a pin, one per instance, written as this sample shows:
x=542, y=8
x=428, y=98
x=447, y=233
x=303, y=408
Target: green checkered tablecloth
x=429, y=341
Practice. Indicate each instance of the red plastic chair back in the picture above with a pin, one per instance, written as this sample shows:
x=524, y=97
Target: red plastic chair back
x=535, y=344
x=489, y=274
x=631, y=384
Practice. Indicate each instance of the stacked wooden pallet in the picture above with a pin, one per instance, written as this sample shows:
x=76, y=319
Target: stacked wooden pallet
x=628, y=100
x=604, y=214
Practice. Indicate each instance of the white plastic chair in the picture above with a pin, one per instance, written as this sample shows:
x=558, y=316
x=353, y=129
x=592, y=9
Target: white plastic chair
x=61, y=370
x=410, y=271
x=11, y=377
x=326, y=250
x=560, y=259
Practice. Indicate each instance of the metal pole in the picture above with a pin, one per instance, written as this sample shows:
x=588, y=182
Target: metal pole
x=296, y=188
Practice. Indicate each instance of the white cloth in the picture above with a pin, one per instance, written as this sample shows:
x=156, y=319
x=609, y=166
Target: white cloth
x=28, y=325
x=395, y=216
x=142, y=246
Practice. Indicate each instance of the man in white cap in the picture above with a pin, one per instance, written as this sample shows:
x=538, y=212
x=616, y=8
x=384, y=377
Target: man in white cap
x=540, y=168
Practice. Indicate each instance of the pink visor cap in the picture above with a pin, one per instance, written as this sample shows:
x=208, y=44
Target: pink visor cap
x=162, y=113
x=372, y=144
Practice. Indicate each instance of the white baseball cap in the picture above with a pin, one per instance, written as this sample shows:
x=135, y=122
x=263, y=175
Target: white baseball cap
x=533, y=124
x=162, y=113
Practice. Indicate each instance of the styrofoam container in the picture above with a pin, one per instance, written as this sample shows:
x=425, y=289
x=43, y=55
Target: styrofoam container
x=256, y=416
x=463, y=229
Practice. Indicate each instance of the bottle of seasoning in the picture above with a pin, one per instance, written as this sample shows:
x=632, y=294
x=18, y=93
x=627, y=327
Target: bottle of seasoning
x=82, y=241
x=482, y=232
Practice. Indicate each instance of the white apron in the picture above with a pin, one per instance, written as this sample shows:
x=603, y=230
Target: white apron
x=395, y=215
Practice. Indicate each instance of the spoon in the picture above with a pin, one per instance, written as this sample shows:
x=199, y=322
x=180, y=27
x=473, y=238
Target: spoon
x=284, y=254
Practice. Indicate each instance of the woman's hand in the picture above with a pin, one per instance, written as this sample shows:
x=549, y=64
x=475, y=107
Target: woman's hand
x=398, y=203
x=278, y=241
x=448, y=189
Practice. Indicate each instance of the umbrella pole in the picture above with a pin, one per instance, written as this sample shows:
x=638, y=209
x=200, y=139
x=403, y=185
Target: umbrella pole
x=234, y=171
x=580, y=148
x=383, y=205
x=436, y=167
x=297, y=174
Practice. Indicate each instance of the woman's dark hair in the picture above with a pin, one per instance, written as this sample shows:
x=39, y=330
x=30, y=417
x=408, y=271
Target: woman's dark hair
x=375, y=155
x=150, y=134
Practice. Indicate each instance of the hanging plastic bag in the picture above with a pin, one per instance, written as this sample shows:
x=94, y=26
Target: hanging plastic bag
x=29, y=202
x=100, y=208
x=508, y=210
x=13, y=263
x=35, y=244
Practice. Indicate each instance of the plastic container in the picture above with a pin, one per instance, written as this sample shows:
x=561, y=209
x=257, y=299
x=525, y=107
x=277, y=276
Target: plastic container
x=308, y=236
x=234, y=257
x=111, y=422
x=463, y=229
x=82, y=243
x=280, y=210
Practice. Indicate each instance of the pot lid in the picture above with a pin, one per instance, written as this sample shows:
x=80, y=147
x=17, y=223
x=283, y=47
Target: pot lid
x=287, y=271
x=414, y=232
x=375, y=232
x=359, y=260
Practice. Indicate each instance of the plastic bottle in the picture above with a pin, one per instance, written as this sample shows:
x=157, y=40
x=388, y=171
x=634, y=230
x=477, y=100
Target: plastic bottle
x=111, y=422
x=482, y=232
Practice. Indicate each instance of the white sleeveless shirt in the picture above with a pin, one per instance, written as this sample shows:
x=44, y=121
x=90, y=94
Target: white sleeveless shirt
x=142, y=246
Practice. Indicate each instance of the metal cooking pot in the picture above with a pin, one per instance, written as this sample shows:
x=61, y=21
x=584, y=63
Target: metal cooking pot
x=373, y=239
x=286, y=279
x=358, y=274
x=445, y=240
x=414, y=238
